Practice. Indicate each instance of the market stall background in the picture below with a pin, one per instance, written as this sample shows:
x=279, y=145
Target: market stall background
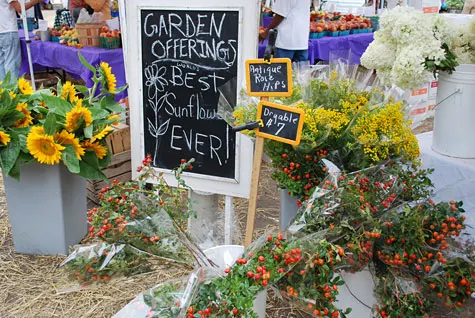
x=56, y=56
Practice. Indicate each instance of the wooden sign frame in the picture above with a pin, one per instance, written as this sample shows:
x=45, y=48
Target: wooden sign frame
x=295, y=142
x=288, y=63
x=248, y=24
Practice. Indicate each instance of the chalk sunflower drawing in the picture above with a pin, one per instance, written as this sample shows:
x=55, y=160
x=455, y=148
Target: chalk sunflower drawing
x=155, y=79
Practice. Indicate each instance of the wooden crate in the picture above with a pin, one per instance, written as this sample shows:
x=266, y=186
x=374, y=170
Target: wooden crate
x=120, y=167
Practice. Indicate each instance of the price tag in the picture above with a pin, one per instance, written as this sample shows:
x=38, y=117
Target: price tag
x=272, y=79
x=280, y=123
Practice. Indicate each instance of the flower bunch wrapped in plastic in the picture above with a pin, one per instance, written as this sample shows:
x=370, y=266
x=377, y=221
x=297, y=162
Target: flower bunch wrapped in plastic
x=354, y=129
x=383, y=216
x=146, y=224
x=409, y=46
x=68, y=124
x=303, y=269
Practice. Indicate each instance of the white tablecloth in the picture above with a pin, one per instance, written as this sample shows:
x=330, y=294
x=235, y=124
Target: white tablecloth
x=454, y=178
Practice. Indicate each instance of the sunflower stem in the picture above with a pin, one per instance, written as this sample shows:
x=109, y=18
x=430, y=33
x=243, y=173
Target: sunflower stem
x=94, y=88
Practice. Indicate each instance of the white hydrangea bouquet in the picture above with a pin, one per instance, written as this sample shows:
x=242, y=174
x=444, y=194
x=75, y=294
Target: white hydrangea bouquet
x=409, y=46
x=463, y=44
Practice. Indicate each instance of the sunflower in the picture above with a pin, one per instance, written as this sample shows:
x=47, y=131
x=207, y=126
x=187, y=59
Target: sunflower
x=43, y=147
x=25, y=121
x=99, y=149
x=24, y=86
x=108, y=76
x=114, y=117
x=12, y=95
x=104, y=132
x=4, y=138
x=69, y=92
x=74, y=117
x=66, y=138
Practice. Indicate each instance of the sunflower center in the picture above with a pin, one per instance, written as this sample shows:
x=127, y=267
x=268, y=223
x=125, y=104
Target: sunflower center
x=48, y=147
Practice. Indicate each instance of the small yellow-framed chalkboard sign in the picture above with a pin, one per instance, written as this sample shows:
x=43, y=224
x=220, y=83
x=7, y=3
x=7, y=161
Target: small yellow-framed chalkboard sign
x=280, y=123
x=269, y=79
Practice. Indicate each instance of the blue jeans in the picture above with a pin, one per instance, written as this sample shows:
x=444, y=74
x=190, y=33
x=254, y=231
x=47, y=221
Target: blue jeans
x=10, y=55
x=293, y=55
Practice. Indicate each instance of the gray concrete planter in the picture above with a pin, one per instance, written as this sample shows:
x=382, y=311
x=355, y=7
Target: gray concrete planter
x=47, y=209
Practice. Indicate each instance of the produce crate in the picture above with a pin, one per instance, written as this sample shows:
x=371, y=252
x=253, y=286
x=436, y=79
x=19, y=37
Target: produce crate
x=88, y=33
x=109, y=43
x=120, y=167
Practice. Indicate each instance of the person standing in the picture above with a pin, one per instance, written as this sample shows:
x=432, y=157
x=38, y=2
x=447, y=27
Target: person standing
x=75, y=7
x=292, y=20
x=103, y=6
x=10, y=53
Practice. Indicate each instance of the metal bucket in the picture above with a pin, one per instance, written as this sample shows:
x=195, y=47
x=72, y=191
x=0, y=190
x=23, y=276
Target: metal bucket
x=454, y=122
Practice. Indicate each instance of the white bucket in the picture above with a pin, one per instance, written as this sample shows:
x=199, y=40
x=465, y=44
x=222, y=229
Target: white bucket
x=357, y=294
x=454, y=122
x=224, y=256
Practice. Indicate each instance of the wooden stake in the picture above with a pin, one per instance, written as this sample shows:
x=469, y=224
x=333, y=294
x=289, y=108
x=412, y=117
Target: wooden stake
x=256, y=171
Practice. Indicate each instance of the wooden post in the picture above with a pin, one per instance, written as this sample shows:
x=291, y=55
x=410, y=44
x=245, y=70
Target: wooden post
x=256, y=171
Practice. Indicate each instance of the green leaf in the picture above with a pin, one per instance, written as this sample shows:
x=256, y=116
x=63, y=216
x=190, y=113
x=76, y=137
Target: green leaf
x=88, y=131
x=121, y=89
x=38, y=95
x=110, y=104
x=90, y=167
x=50, y=124
x=70, y=159
x=82, y=89
x=57, y=105
x=86, y=63
x=104, y=162
x=7, y=78
x=9, y=156
x=99, y=113
x=15, y=171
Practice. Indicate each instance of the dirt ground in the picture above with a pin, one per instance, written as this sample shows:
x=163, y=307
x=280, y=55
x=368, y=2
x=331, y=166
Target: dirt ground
x=32, y=286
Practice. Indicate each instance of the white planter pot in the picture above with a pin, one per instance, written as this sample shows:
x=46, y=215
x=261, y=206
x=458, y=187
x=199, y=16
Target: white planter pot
x=357, y=294
x=224, y=256
x=47, y=209
x=454, y=122
x=288, y=209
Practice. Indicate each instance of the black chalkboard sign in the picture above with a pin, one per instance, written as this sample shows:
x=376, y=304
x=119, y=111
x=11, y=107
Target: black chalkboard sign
x=272, y=79
x=189, y=66
x=281, y=123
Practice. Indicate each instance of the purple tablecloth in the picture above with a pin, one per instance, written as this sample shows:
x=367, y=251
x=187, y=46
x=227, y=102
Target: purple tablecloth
x=320, y=48
x=55, y=55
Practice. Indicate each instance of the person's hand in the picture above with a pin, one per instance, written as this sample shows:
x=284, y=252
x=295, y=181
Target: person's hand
x=263, y=34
